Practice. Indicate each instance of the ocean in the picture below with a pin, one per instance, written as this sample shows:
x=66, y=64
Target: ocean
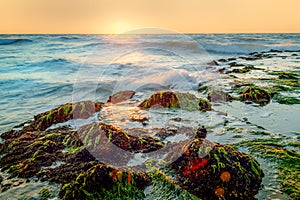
x=41, y=72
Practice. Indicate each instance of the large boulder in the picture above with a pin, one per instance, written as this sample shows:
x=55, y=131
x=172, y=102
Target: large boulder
x=169, y=99
x=212, y=171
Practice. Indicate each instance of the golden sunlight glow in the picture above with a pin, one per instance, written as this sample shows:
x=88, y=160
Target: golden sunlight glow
x=118, y=16
x=121, y=27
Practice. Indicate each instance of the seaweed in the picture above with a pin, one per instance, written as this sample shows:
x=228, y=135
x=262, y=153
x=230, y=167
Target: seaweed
x=272, y=150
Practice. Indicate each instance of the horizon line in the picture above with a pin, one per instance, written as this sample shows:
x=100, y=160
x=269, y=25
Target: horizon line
x=128, y=33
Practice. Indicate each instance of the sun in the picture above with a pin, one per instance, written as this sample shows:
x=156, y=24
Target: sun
x=121, y=27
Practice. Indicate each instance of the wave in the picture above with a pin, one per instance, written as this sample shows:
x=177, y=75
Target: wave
x=53, y=89
x=14, y=41
x=57, y=60
x=93, y=44
x=254, y=39
x=233, y=48
x=69, y=37
x=58, y=65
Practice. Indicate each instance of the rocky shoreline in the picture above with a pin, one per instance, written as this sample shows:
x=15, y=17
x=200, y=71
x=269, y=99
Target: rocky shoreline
x=205, y=169
x=91, y=162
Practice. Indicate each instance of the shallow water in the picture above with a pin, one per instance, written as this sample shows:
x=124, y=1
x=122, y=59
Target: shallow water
x=40, y=72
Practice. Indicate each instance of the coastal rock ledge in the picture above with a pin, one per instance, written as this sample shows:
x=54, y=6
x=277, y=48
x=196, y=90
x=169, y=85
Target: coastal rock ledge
x=202, y=169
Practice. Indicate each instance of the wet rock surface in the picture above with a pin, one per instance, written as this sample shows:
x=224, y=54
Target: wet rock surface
x=211, y=171
x=218, y=95
x=169, y=99
x=105, y=182
x=121, y=96
x=255, y=94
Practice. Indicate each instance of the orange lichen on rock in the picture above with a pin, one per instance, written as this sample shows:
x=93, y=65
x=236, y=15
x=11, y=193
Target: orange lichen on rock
x=225, y=176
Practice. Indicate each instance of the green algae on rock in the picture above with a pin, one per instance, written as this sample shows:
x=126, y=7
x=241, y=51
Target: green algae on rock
x=106, y=182
x=162, y=187
x=286, y=99
x=113, y=145
x=169, y=99
x=211, y=171
x=274, y=150
x=285, y=75
x=255, y=94
x=64, y=113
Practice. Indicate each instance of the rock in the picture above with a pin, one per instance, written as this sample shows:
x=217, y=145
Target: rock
x=201, y=132
x=253, y=53
x=218, y=95
x=213, y=63
x=222, y=60
x=106, y=182
x=203, y=88
x=25, y=155
x=255, y=94
x=231, y=59
x=113, y=145
x=221, y=70
x=79, y=110
x=63, y=113
x=169, y=99
x=139, y=119
x=287, y=76
x=235, y=64
x=275, y=51
x=211, y=171
x=243, y=70
x=44, y=194
x=121, y=96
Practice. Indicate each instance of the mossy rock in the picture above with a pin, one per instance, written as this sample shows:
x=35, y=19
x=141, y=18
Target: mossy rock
x=106, y=182
x=121, y=96
x=213, y=171
x=285, y=75
x=30, y=153
x=255, y=94
x=79, y=110
x=113, y=145
x=218, y=96
x=274, y=150
x=244, y=69
x=44, y=194
x=169, y=99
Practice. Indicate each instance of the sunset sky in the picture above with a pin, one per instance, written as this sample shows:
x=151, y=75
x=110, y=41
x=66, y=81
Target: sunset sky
x=117, y=16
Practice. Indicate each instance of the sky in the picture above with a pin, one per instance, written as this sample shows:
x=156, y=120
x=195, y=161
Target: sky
x=119, y=16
